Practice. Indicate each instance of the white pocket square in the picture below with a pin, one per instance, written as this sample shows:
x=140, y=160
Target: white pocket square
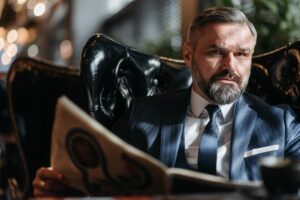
x=260, y=150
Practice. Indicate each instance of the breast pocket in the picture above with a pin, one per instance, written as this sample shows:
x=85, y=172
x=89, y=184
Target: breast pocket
x=253, y=157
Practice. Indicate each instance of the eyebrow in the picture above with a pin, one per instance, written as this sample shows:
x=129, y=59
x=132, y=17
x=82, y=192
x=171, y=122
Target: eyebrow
x=217, y=46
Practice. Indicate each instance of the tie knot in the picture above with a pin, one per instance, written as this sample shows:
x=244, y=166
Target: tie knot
x=212, y=110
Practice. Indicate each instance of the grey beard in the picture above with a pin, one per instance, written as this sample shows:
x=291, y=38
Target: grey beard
x=223, y=94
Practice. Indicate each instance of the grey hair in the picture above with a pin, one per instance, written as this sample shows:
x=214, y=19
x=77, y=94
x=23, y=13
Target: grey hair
x=219, y=15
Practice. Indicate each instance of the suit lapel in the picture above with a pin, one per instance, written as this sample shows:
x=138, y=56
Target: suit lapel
x=172, y=127
x=243, y=124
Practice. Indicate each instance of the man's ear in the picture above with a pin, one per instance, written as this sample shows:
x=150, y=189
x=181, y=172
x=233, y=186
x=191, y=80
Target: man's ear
x=187, y=53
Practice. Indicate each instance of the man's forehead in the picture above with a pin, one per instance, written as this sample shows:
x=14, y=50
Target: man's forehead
x=224, y=30
x=227, y=35
x=216, y=25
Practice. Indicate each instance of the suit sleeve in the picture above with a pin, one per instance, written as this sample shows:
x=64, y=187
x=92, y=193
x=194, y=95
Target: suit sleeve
x=122, y=127
x=292, y=123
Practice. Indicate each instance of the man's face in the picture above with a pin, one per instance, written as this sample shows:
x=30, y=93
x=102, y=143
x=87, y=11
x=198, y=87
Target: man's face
x=220, y=61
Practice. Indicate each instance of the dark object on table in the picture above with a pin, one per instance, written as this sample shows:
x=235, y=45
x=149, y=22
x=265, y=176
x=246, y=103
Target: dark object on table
x=281, y=176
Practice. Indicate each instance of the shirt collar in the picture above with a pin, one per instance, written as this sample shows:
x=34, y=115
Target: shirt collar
x=198, y=104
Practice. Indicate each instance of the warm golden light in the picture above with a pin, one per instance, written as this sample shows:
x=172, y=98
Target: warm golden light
x=2, y=32
x=2, y=43
x=12, y=36
x=23, y=36
x=39, y=9
x=66, y=49
x=12, y=50
x=21, y=2
x=5, y=59
x=31, y=34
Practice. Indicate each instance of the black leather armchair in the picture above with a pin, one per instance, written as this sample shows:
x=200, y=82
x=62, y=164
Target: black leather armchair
x=114, y=74
x=33, y=87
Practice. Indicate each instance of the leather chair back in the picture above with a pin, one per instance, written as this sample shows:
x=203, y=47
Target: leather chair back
x=33, y=87
x=276, y=74
x=114, y=74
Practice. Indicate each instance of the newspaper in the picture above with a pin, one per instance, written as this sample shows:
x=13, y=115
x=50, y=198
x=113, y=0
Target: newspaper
x=96, y=162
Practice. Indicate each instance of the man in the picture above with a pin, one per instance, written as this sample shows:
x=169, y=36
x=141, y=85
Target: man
x=172, y=126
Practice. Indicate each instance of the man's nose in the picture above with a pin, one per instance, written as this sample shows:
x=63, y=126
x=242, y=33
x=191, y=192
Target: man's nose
x=229, y=61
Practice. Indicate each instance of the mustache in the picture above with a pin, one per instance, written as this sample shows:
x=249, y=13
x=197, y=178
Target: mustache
x=227, y=75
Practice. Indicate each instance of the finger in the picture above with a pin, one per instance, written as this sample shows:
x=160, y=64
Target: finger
x=48, y=184
x=49, y=173
x=55, y=191
x=39, y=184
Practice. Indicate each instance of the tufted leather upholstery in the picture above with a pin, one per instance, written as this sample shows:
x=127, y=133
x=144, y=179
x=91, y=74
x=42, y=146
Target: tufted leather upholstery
x=33, y=86
x=114, y=74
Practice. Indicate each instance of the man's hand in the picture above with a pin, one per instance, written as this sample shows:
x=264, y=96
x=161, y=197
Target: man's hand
x=48, y=182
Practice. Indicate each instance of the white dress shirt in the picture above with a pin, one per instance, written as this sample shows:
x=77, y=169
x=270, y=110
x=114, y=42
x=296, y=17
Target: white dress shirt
x=195, y=122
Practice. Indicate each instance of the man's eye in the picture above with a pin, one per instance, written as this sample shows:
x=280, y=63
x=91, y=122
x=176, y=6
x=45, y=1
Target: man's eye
x=216, y=52
x=241, y=54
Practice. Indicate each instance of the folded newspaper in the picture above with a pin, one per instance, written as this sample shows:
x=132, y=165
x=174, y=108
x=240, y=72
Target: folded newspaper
x=96, y=162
